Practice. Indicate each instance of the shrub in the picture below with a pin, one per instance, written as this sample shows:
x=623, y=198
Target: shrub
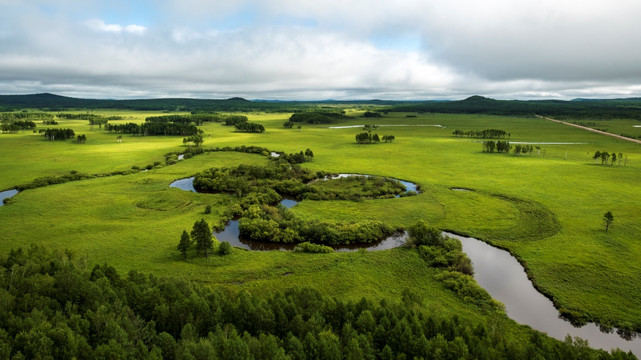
x=224, y=248
x=313, y=248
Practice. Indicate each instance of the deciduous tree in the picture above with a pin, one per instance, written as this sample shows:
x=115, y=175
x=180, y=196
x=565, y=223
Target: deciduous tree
x=608, y=218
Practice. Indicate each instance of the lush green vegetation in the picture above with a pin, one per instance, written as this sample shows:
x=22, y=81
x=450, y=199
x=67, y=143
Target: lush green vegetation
x=55, y=307
x=586, y=109
x=482, y=134
x=260, y=188
x=520, y=203
x=317, y=117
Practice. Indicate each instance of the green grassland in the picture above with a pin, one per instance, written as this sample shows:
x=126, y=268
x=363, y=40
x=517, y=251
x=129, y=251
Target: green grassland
x=546, y=210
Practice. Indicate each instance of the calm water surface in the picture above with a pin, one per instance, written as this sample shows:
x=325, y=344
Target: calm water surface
x=504, y=278
x=7, y=194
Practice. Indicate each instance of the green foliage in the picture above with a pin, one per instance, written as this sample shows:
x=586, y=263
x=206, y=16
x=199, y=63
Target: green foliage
x=317, y=117
x=467, y=289
x=482, y=134
x=535, y=223
x=58, y=134
x=313, y=248
x=249, y=127
x=201, y=234
x=154, y=129
x=54, y=308
x=601, y=109
x=604, y=156
x=185, y=244
x=423, y=234
x=500, y=146
x=224, y=248
x=13, y=126
x=196, y=139
x=372, y=114
x=608, y=219
x=450, y=256
x=235, y=120
x=258, y=187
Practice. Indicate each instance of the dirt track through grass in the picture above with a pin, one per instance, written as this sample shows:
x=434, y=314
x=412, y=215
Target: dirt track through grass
x=591, y=129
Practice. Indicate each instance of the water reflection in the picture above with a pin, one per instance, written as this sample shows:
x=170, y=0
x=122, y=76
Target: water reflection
x=504, y=278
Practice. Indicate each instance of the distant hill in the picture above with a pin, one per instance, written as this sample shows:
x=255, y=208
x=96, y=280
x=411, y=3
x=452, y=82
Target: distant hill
x=579, y=108
x=53, y=102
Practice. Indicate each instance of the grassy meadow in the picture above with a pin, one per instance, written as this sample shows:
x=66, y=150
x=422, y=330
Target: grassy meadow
x=546, y=209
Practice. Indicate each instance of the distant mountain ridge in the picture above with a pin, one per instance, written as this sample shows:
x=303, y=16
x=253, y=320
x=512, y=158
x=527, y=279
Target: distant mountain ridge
x=629, y=108
x=599, y=108
x=48, y=101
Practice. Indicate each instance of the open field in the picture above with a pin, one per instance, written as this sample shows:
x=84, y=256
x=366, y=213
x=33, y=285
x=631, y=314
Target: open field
x=545, y=209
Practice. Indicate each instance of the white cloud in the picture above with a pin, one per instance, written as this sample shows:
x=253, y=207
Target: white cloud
x=316, y=49
x=101, y=26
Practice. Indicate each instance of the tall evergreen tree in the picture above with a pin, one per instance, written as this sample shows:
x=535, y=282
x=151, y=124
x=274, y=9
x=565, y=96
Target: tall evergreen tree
x=201, y=234
x=185, y=244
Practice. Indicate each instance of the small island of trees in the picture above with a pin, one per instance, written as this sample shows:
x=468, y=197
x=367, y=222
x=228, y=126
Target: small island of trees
x=260, y=189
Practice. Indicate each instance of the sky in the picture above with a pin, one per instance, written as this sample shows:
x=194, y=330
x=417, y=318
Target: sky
x=330, y=49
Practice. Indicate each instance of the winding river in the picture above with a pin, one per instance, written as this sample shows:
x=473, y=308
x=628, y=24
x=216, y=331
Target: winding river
x=498, y=272
x=495, y=270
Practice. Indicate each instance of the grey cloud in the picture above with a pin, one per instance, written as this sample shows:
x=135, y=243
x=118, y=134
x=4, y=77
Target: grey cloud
x=501, y=48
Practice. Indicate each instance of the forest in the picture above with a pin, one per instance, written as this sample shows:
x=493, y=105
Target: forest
x=55, y=306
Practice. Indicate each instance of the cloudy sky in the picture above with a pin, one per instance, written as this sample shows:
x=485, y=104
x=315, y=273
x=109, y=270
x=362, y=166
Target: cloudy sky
x=339, y=49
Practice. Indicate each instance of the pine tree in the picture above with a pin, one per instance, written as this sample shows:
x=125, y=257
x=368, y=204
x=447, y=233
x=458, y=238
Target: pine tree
x=185, y=244
x=201, y=235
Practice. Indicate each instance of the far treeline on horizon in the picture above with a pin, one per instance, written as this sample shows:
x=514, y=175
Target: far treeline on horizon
x=576, y=108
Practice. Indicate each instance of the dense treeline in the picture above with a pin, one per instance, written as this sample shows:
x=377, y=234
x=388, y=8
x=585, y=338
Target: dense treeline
x=372, y=114
x=58, y=134
x=154, y=128
x=87, y=116
x=318, y=117
x=61, y=103
x=53, y=306
x=182, y=119
x=505, y=147
x=234, y=120
x=589, y=109
x=500, y=146
x=25, y=115
x=482, y=134
x=274, y=224
x=250, y=127
x=13, y=126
